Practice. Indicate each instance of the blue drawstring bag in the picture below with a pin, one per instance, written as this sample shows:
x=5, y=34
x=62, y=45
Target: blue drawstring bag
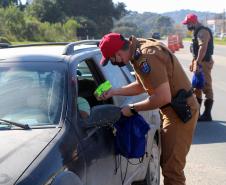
x=130, y=136
x=198, y=80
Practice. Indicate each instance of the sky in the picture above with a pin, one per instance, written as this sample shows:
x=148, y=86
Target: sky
x=161, y=6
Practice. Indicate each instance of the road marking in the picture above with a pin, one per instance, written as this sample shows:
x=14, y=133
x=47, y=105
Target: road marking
x=222, y=123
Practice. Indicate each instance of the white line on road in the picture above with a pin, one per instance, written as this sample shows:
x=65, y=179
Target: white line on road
x=222, y=123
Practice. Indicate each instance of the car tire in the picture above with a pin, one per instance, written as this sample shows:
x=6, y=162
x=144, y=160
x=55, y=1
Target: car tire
x=153, y=172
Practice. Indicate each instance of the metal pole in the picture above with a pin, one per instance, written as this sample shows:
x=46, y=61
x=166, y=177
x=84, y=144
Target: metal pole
x=223, y=21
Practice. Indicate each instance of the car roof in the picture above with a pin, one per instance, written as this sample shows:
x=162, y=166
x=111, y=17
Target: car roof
x=51, y=52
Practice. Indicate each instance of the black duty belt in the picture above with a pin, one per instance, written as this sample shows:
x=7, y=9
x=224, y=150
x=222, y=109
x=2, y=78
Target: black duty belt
x=188, y=94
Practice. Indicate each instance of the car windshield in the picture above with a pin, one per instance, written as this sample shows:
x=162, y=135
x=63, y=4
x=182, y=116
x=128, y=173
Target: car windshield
x=32, y=93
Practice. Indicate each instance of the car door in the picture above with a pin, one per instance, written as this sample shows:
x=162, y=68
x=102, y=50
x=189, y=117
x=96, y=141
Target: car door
x=97, y=143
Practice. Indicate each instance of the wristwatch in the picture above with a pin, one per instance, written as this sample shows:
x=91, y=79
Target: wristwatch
x=132, y=109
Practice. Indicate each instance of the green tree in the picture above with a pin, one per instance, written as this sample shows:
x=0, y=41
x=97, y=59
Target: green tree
x=164, y=25
x=46, y=11
x=148, y=22
x=6, y=3
x=101, y=12
x=14, y=22
x=120, y=10
x=88, y=28
x=70, y=29
x=127, y=29
x=2, y=23
x=32, y=30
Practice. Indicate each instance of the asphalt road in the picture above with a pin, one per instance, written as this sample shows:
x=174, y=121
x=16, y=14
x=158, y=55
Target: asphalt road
x=206, y=161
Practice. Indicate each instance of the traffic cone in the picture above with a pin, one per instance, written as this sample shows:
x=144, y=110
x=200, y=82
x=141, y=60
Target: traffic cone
x=170, y=43
x=180, y=42
x=176, y=42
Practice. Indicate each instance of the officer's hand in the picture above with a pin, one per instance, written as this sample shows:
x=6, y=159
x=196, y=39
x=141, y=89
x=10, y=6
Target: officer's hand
x=195, y=66
x=126, y=111
x=106, y=95
x=192, y=65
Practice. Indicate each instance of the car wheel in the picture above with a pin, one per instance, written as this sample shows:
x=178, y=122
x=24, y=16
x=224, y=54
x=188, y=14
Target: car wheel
x=153, y=172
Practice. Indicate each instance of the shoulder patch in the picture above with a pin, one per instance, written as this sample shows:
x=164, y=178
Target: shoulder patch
x=144, y=66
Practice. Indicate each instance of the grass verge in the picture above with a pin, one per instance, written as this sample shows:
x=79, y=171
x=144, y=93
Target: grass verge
x=217, y=41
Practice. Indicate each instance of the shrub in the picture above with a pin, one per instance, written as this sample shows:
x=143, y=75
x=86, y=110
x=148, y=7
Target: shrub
x=4, y=40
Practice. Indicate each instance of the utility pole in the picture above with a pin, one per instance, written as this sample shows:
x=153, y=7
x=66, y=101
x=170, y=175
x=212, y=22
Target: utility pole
x=223, y=21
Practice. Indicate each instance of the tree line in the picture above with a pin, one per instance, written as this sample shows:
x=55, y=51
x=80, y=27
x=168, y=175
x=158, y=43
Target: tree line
x=69, y=20
x=57, y=20
x=144, y=25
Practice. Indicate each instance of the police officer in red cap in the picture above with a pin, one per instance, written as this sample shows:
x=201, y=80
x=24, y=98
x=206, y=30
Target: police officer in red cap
x=157, y=72
x=202, y=50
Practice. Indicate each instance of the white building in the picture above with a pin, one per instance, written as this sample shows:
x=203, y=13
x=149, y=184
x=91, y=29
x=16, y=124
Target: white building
x=218, y=26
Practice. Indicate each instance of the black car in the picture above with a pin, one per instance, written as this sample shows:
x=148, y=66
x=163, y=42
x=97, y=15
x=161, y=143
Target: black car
x=44, y=140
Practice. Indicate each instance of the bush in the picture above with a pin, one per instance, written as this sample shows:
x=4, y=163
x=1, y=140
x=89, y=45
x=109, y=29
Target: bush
x=4, y=40
x=70, y=30
x=14, y=23
x=19, y=26
x=32, y=30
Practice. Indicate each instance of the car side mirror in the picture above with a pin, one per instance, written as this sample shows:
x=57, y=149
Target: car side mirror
x=103, y=115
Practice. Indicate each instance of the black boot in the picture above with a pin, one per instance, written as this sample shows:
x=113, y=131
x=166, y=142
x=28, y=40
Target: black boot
x=206, y=116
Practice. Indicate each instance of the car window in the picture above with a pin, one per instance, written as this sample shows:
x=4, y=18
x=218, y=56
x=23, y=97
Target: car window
x=87, y=84
x=117, y=76
x=83, y=71
x=31, y=95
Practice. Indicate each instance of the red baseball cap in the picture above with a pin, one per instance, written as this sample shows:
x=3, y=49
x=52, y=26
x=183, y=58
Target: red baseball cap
x=190, y=18
x=109, y=45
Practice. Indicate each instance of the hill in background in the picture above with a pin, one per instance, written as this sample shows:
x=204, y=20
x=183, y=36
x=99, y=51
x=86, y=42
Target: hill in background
x=178, y=16
x=145, y=24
